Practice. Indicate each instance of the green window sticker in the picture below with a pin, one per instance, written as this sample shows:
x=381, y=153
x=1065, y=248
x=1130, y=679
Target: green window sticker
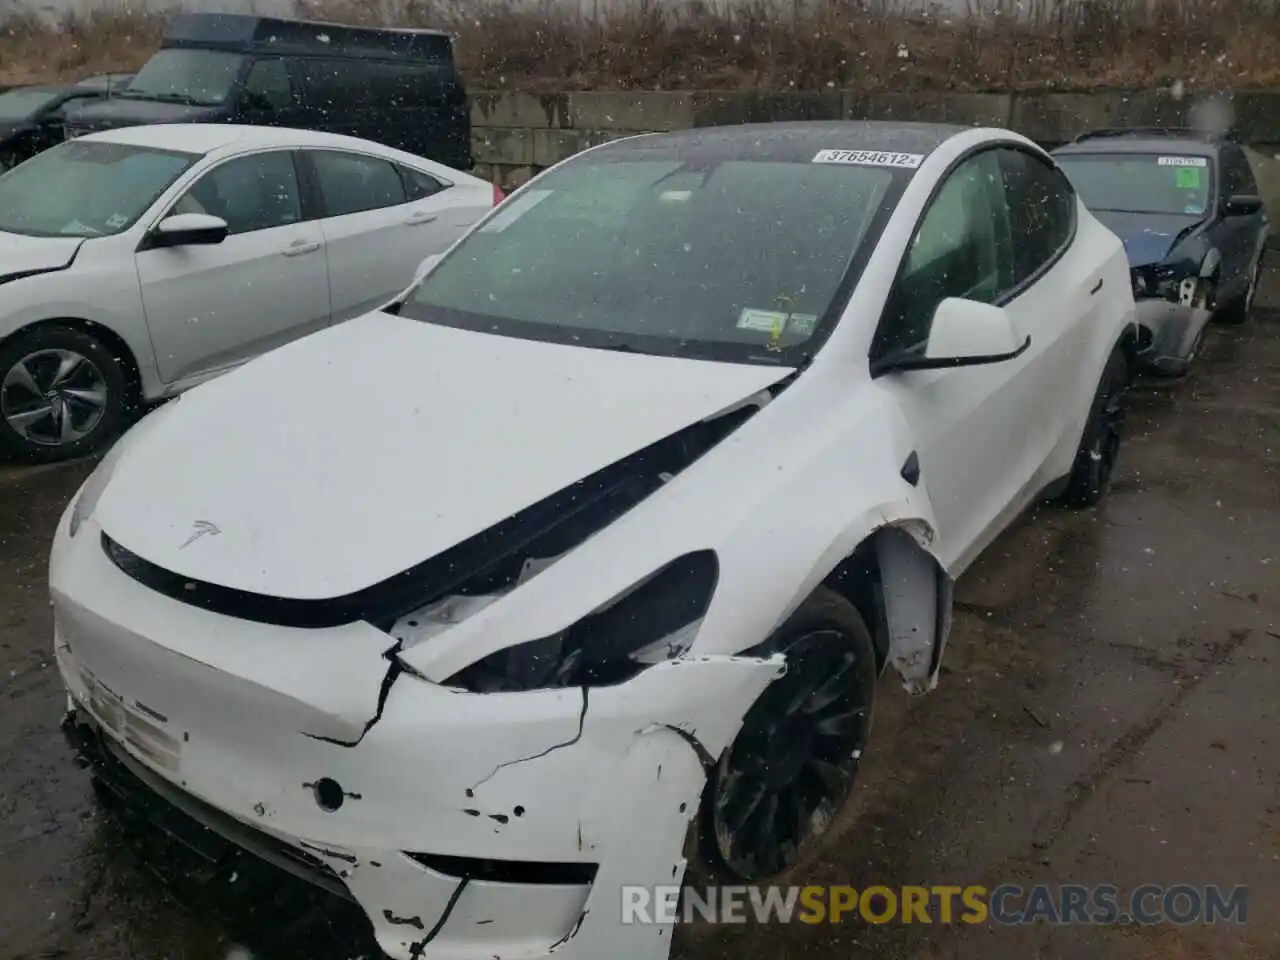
x=1187, y=178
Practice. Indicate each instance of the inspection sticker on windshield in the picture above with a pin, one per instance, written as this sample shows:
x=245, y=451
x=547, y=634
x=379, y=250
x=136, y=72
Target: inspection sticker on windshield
x=776, y=323
x=1183, y=161
x=1186, y=178
x=870, y=158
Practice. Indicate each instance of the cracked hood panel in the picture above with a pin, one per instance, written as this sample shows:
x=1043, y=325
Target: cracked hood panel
x=20, y=254
x=1147, y=237
x=349, y=456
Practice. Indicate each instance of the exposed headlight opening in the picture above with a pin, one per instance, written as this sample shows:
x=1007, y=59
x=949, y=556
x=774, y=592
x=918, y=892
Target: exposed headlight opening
x=655, y=620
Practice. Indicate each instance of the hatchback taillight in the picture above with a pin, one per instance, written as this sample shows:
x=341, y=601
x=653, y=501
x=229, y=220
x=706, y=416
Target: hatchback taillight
x=498, y=195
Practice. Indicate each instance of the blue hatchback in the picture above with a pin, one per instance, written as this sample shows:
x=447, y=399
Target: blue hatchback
x=1187, y=207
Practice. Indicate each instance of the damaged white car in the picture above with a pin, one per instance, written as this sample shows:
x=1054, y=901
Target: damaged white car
x=581, y=562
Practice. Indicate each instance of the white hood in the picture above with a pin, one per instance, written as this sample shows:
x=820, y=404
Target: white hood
x=349, y=456
x=21, y=254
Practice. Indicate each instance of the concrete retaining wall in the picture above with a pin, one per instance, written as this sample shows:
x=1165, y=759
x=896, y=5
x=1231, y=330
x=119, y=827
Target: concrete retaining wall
x=516, y=134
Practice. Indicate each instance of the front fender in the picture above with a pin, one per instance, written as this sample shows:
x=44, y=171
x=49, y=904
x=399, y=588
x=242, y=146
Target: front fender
x=110, y=299
x=782, y=502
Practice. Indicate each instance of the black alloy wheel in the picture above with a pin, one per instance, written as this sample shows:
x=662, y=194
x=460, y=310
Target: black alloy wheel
x=789, y=772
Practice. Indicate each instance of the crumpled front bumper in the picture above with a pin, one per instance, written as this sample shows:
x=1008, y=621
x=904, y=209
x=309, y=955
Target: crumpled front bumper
x=467, y=826
x=1176, y=328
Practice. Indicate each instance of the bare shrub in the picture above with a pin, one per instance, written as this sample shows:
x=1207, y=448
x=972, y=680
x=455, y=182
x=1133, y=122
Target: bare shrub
x=759, y=44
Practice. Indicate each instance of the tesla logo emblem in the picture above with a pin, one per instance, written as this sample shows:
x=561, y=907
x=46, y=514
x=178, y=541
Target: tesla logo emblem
x=198, y=530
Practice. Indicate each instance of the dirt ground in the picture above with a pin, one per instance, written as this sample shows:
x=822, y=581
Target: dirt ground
x=1108, y=714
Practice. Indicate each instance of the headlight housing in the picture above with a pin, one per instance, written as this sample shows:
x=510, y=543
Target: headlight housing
x=654, y=620
x=91, y=490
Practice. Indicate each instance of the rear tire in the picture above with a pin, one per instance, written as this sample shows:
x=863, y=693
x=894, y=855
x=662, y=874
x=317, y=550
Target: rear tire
x=1100, y=445
x=770, y=801
x=63, y=394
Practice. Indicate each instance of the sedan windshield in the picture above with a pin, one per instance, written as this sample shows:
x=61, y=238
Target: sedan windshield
x=18, y=105
x=724, y=259
x=86, y=189
x=1140, y=183
x=197, y=77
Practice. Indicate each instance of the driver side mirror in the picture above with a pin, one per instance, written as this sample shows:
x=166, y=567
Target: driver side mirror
x=1241, y=205
x=965, y=333
x=188, y=230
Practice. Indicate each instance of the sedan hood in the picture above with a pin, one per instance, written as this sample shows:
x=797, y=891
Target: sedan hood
x=1147, y=237
x=351, y=455
x=21, y=255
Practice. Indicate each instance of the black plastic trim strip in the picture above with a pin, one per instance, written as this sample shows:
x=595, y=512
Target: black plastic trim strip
x=528, y=872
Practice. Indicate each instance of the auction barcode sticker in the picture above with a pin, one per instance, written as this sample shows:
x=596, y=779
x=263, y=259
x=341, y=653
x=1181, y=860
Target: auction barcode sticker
x=870, y=158
x=1183, y=161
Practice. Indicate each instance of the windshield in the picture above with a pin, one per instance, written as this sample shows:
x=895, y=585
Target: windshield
x=18, y=105
x=197, y=77
x=86, y=189
x=733, y=259
x=1140, y=183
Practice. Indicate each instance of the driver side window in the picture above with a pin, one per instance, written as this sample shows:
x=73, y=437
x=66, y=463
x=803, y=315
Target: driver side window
x=256, y=192
x=962, y=248
x=267, y=86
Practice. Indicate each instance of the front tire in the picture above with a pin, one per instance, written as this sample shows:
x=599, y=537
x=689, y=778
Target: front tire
x=63, y=394
x=1237, y=312
x=779, y=786
x=1100, y=445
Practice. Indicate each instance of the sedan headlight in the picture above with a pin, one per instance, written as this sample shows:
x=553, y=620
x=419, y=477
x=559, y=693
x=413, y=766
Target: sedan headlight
x=655, y=620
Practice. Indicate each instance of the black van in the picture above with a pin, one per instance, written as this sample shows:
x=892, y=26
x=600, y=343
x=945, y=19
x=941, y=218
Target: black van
x=396, y=87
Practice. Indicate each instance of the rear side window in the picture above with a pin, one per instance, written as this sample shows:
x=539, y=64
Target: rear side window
x=355, y=183
x=420, y=185
x=1042, y=205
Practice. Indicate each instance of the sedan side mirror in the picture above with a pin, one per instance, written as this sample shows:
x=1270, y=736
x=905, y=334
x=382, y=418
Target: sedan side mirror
x=965, y=333
x=1241, y=205
x=188, y=230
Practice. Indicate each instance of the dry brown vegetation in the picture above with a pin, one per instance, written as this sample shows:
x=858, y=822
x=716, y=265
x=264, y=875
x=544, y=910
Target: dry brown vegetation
x=761, y=44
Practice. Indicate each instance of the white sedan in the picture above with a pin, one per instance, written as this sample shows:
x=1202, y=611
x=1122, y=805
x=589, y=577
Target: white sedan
x=476, y=608
x=138, y=262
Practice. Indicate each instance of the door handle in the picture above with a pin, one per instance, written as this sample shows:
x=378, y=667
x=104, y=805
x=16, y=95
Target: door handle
x=1096, y=287
x=417, y=219
x=299, y=247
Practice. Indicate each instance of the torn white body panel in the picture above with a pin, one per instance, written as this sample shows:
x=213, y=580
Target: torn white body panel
x=478, y=777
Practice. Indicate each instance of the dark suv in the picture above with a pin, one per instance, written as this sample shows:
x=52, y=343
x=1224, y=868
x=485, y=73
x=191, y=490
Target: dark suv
x=1187, y=207
x=397, y=87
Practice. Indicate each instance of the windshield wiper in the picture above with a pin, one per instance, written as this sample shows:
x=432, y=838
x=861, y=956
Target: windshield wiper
x=172, y=98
